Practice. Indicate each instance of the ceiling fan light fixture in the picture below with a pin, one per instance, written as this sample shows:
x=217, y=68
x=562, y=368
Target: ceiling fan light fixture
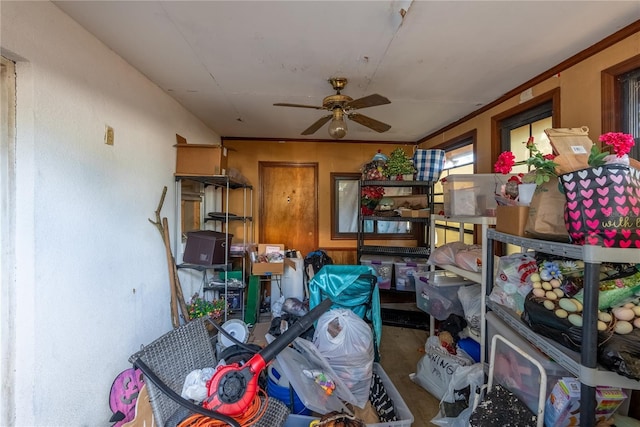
x=338, y=126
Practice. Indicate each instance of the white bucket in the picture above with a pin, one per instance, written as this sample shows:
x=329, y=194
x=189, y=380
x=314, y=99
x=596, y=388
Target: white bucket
x=237, y=328
x=291, y=284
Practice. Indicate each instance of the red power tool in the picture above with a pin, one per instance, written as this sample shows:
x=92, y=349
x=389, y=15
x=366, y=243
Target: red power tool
x=233, y=387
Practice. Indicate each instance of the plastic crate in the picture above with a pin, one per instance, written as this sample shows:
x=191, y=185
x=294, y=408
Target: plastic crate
x=472, y=195
x=404, y=415
x=554, y=372
x=437, y=294
x=383, y=266
x=406, y=272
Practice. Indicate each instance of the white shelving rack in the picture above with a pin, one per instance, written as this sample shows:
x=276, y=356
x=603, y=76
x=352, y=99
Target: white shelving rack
x=485, y=222
x=584, y=364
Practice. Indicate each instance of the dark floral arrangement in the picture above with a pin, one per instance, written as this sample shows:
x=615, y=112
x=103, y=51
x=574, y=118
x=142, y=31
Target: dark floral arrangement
x=369, y=198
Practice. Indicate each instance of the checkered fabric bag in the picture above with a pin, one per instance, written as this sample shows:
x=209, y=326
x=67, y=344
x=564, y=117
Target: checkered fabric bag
x=429, y=164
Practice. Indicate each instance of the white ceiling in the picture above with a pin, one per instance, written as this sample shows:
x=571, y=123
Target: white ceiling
x=229, y=61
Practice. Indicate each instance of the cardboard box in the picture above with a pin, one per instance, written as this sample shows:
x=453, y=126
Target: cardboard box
x=562, y=408
x=270, y=268
x=200, y=159
x=512, y=219
x=414, y=213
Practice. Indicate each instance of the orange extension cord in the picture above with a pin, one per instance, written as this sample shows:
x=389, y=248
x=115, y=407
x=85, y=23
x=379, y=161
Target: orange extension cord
x=254, y=412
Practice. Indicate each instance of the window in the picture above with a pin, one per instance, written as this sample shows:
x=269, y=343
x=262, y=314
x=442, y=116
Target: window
x=516, y=130
x=345, y=199
x=630, y=100
x=621, y=100
x=459, y=159
x=515, y=126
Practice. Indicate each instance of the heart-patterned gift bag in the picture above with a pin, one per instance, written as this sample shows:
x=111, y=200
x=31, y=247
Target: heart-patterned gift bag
x=603, y=206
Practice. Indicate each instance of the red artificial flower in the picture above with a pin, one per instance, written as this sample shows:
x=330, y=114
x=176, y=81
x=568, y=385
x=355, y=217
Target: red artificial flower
x=548, y=157
x=621, y=142
x=505, y=162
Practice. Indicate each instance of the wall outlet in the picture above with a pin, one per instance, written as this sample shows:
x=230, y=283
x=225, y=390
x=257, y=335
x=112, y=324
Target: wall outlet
x=108, y=135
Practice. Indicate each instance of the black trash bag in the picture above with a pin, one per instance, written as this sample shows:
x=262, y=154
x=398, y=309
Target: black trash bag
x=545, y=323
x=381, y=401
x=280, y=324
x=621, y=353
x=295, y=307
x=314, y=261
x=453, y=324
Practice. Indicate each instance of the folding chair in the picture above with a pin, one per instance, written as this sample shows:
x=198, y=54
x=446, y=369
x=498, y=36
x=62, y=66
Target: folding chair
x=168, y=360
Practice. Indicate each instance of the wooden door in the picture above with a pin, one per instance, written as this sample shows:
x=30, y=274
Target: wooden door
x=288, y=201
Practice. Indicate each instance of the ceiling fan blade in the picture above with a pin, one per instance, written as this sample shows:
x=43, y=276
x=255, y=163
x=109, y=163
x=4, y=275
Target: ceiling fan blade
x=369, y=122
x=285, y=104
x=367, y=101
x=317, y=125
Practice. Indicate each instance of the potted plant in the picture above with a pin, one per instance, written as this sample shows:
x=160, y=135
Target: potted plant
x=399, y=166
x=199, y=307
x=543, y=168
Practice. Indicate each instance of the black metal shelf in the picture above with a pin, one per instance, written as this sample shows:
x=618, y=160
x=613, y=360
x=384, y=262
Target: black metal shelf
x=198, y=267
x=584, y=365
x=418, y=252
x=390, y=183
x=216, y=180
x=223, y=217
x=395, y=218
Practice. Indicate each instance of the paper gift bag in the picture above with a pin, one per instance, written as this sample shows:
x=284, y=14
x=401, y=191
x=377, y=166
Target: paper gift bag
x=603, y=206
x=546, y=213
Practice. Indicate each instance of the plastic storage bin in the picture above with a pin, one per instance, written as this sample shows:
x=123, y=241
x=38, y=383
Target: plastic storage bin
x=383, y=265
x=404, y=415
x=472, y=195
x=437, y=293
x=406, y=272
x=526, y=392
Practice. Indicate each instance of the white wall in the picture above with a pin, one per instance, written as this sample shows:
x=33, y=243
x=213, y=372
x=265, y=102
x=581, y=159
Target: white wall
x=91, y=275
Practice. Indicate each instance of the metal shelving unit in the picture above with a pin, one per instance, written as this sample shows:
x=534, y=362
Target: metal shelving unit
x=413, y=252
x=226, y=184
x=583, y=365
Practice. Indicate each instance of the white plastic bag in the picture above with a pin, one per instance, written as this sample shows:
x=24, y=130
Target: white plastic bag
x=346, y=341
x=471, y=300
x=195, y=384
x=512, y=282
x=459, y=400
x=436, y=367
x=470, y=258
x=446, y=254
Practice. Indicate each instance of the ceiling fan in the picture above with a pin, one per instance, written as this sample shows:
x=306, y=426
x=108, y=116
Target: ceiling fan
x=342, y=106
